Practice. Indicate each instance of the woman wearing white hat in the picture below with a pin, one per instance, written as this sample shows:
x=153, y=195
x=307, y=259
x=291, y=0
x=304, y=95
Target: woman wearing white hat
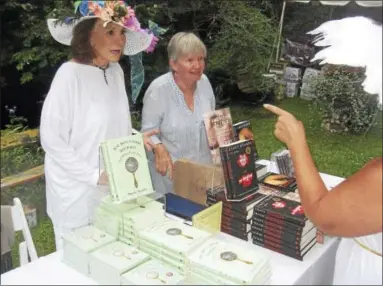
x=86, y=104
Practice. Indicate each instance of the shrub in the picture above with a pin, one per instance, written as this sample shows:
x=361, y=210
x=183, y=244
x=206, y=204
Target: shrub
x=344, y=105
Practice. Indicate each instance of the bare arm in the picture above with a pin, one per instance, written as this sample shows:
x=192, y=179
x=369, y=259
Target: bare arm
x=353, y=208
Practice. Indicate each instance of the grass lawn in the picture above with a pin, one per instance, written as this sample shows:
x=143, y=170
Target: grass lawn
x=334, y=154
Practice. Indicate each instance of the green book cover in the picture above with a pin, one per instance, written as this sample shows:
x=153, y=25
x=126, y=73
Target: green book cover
x=127, y=167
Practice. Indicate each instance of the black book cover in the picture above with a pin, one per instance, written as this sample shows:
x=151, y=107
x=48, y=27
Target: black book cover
x=283, y=208
x=279, y=181
x=239, y=164
x=243, y=131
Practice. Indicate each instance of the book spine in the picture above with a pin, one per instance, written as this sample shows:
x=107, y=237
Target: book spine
x=269, y=214
x=238, y=229
x=234, y=223
x=225, y=168
x=235, y=215
x=266, y=237
x=279, y=249
x=231, y=189
x=236, y=233
x=276, y=224
x=284, y=235
x=109, y=171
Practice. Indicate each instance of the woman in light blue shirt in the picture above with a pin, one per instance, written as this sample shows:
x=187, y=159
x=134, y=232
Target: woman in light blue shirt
x=174, y=104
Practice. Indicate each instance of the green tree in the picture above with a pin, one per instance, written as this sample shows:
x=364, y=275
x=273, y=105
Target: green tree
x=29, y=45
x=244, y=45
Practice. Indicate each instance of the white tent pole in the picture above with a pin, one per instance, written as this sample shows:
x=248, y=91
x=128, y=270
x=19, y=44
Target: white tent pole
x=280, y=30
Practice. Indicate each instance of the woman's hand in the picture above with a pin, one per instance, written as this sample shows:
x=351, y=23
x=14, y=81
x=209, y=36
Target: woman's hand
x=164, y=163
x=288, y=129
x=103, y=179
x=147, y=141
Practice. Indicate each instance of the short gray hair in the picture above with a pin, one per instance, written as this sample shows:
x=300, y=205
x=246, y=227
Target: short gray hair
x=184, y=43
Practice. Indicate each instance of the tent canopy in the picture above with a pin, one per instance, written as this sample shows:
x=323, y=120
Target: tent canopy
x=343, y=3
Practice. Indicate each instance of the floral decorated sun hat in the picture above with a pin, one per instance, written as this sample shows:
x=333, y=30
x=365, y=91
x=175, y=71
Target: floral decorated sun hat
x=118, y=12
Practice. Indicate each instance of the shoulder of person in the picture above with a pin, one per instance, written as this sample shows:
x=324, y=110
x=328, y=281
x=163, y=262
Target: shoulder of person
x=66, y=73
x=205, y=80
x=160, y=83
x=116, y=66
x=67, y=68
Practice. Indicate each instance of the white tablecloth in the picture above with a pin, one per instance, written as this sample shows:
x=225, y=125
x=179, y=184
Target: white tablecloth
x=316, y=269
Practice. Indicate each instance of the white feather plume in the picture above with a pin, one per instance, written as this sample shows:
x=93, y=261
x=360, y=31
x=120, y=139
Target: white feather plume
x=354, y=41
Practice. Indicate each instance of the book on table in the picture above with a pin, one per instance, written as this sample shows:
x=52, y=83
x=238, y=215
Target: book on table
x=108, y=263
x=127, y=168
x=152, y=272
x=219, y=129
x=279, y=224
x=238, y=164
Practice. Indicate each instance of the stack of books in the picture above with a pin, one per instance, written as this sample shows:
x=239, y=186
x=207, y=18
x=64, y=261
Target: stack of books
x=279, y=224
x=78, y=244
x=139, y=218
x=107, y=264
x=108, y=216
x=237, y=216
x=152, y=272
x=171, y=241
x=217, y=262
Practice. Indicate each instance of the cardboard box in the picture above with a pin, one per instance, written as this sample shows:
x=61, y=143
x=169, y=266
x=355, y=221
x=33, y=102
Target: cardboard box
x=191, y=180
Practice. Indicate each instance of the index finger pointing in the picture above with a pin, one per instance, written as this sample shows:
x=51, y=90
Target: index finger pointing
x=275, y=110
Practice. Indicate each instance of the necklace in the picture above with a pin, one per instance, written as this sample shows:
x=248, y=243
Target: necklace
x=102, y=69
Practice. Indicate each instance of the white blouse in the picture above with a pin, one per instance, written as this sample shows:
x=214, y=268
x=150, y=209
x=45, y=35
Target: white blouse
x=182, y=131
x=80, y=111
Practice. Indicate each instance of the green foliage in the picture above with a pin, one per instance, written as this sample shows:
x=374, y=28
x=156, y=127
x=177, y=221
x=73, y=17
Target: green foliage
x=28, y=43
x=345, y=106
x=244, y=45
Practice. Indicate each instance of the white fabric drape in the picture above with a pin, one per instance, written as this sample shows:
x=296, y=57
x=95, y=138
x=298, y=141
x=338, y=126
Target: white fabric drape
x=343, y=3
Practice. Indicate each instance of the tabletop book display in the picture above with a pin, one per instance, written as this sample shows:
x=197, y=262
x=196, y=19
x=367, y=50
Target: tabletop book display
x=132, y=241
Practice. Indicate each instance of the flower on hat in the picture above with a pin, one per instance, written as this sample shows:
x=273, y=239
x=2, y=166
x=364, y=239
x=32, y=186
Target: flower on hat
x=114, y=11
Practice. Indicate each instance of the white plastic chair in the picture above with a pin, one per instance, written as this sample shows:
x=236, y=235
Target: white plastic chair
x=20, y=223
